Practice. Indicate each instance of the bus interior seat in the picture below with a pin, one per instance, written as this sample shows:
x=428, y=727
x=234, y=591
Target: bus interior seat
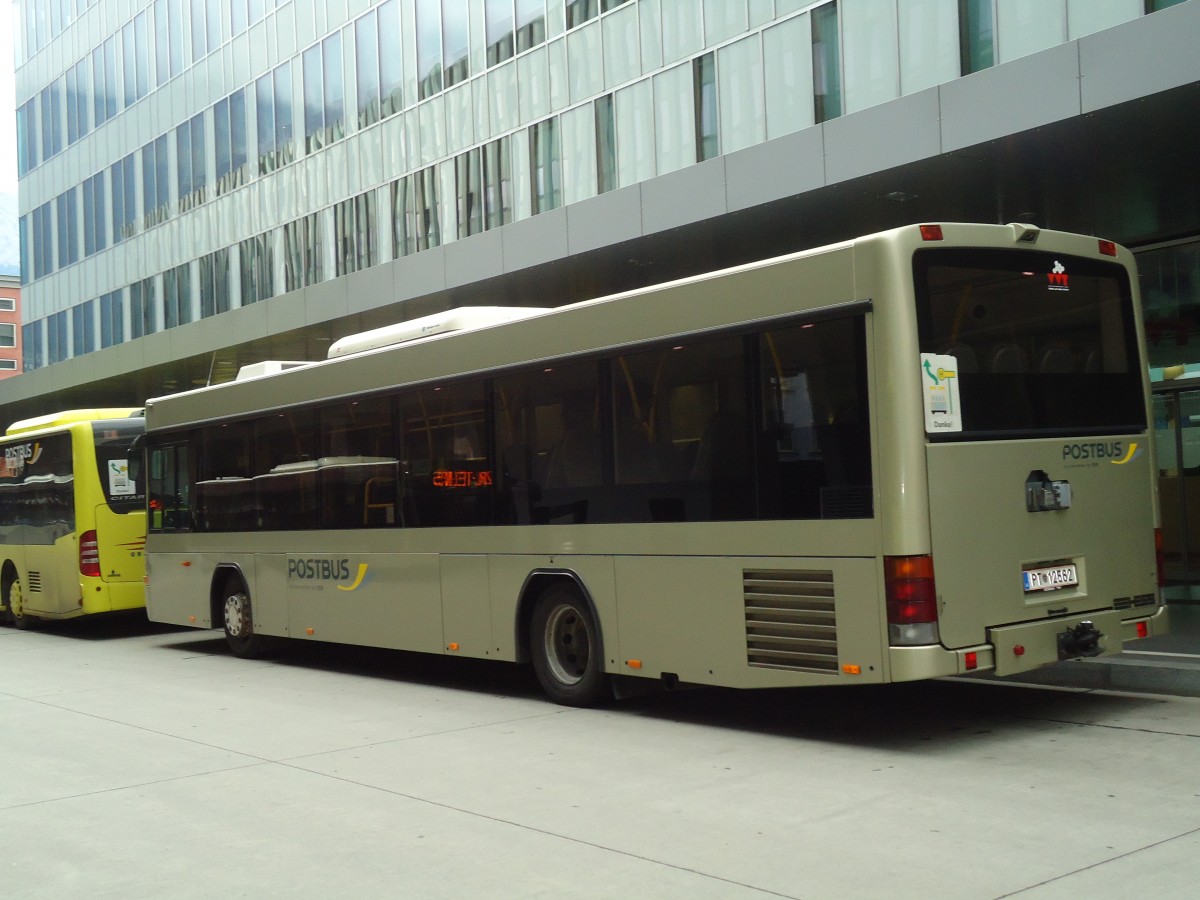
x=1057, y=359
x=1008, y=359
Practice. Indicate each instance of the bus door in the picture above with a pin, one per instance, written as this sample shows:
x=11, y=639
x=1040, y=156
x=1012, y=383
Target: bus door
x=1038, y=459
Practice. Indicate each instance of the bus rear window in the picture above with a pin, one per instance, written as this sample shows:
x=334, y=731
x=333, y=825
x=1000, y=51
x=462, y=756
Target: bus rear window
x=119, y=465
x=1041, y=344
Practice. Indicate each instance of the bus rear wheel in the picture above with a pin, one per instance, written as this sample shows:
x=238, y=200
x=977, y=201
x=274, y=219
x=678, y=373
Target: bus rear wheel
x=239, y=622
x=565, y=647
x=16, y=606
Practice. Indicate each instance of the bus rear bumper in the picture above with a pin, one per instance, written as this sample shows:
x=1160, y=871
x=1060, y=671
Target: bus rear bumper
x=1020, y=648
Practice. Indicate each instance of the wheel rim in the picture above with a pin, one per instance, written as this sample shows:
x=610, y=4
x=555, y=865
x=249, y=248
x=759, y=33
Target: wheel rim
x=16, y=606
x=235, y=614
x=568, y=644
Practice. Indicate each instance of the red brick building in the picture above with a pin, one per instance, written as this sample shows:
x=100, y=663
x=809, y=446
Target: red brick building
x=10, y=326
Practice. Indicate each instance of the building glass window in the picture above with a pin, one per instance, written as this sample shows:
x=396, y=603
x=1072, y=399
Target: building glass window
x=50, y=100
x=112, y=319
x=975, y=35
x=870, y=55
x=68, y=228
x=682, y=29
x=193, y=167
x=429, y=48
x=577, y=134
x=273, y=102
x=78, y=123
x=787, y=66
x=826, y=61
x=606, y=144
x=122, y=178
x=468, y=176
x=531, y=23
x=415, y=221
x=43, y=241
x=83, y=328
x=27, y=143
x=257, y=261
x=32, y=347
x=8, y=334
x=57, y=339
x=324, y=93
x=142, y=296
x=156, y=197
x=95, y=221
x=498, y=27
x=366, y=62
x=675, y=106
x=104, y=81
x=168, y=39
x=497, y=183
x=391, y=60
x=177, y=296
x=229, y=131
x=707, y=137
x=545, y=165
x=214, y=283
x=302, y=261
x=929, y=44
x=456, y=43
x=354, y=234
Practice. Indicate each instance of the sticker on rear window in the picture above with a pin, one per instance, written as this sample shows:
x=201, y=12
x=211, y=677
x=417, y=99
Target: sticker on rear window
x=939, y=382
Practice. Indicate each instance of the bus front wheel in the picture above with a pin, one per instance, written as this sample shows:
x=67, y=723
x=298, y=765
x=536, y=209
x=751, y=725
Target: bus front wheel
x=239, y=622
x=565, y=648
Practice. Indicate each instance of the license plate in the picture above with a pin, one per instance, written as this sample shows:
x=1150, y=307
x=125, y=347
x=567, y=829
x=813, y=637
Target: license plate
x=1050, y=578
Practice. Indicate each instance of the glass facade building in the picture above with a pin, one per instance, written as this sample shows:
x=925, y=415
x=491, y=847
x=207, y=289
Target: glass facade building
x=208, y=183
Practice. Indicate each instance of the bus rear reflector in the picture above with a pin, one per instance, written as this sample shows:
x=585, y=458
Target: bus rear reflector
x=89, y=555
x=1108, y=248
x=911, y=600
x=931, y=232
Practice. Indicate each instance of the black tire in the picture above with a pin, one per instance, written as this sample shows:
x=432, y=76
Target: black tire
x=565, y=646
x=16, y=606
x=238, y=618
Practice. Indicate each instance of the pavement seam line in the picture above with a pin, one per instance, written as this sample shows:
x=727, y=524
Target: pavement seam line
x=1103, y=862
x=563, y=837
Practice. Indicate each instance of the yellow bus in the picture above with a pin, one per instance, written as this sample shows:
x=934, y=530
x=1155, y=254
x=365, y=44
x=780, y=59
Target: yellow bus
x=72, y=515
x=919, y=453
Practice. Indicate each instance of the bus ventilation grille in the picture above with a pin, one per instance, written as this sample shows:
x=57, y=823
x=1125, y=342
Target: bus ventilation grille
x=790, y=620
x=35, y=582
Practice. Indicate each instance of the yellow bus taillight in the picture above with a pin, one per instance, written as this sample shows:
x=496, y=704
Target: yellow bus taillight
x=911, y=600
x=89, y=555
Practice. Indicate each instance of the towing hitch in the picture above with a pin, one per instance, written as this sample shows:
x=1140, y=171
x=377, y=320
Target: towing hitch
x=1082, y=640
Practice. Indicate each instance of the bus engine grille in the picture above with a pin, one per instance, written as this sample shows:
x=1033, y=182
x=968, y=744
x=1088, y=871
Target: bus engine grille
x=790, y=620
x=35, y=582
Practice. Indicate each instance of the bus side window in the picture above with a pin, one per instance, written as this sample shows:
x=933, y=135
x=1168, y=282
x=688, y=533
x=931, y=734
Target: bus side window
x=168, y=489
x=816, y=459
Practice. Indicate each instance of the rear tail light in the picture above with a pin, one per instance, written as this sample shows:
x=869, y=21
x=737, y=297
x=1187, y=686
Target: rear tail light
x=911, y=600
x=931, y=232
x=1108, y=248
x=89, y=555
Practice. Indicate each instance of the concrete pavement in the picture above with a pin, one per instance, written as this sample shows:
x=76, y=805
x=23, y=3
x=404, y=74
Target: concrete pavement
x=145, y=762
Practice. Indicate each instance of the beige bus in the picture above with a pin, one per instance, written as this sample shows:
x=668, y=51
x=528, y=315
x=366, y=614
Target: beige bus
x=915, y=454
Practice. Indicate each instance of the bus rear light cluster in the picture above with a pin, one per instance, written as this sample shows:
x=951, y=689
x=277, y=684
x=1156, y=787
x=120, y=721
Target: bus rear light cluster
x=911, y=600
x=89, y=555
x=1108, y=248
